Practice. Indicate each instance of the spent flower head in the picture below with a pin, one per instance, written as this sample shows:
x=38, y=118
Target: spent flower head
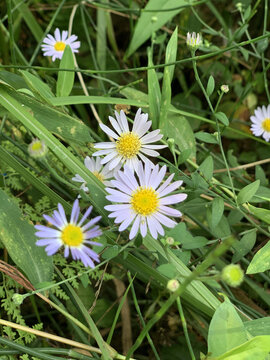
x=55, y=46
x=232, y=274
x=101, y=172
x=73, y=235
x=261, y=122
x=142, y=200
x=37, y=148
x=194, y=40
x=129, y=145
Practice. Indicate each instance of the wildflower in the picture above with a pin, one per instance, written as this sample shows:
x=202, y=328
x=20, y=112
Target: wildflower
x=37, y=148
x=194, y=40
x=129, y=145
x=73, y=235
x=224, y=88
x=261, y=122
x=96, y=168
x=144, y=203
x=55, y=46
x=232, y=274
x=173, y=285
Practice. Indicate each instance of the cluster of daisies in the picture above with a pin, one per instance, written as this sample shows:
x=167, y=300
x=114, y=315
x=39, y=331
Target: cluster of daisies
x=139, y=192
x=137, y=189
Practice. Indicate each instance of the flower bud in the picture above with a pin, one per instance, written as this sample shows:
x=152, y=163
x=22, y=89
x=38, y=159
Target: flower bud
x=194, y=40
x=170, y=240
x=37, y=148
x=173, y=285
x=224, y=88
x=18, y=299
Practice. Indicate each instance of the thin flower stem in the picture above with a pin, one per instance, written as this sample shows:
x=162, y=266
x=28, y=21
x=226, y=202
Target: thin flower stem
x=184, y=324
x=217, y=124
x=263, y=57
x=11, y=38
x=219, y=99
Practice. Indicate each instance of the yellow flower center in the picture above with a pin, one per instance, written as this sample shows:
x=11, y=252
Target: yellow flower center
x=37, y=146
x=98, y=175
x=144, y=201
x=59, y=46
x=266, y=124
x=128, y=145
x=72, y=235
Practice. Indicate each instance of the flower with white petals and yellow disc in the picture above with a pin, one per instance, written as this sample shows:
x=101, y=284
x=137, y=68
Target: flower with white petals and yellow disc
x=37, y=148
x=261, y=122
x=55, y=46
x=142, y=201
x=129, y=146
x=73, y=235
x=101, y=172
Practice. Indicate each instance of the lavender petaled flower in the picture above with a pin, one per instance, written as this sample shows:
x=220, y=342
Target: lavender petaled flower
x=73, y=235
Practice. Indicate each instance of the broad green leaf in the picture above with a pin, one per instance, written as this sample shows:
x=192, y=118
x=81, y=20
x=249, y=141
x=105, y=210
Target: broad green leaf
x=65, y=79
x=55, y=121
x=255, y=349
x=167, y=270
x=170, y=56
x=247, y=192
x=207, y=167
x=37, y=86
x=217, y=211
x=261, y=260
x=179, y=129
x=97, y=195
x=73, y=100
x=262, y=214
x=154, y=95
x=245, y=245
x=18, y=237
x=206, y=137
x=258, y=326
x=222, y=118
x=222, y=229
x=151, y=21
x=226, y=330
x=260, y=175
x=210, y=85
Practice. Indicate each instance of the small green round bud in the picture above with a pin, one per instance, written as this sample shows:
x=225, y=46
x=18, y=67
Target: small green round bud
x=232, y=274
x=239, y=6
x=18, y=299
x=224, y=88
x=173, y=285
x=154, y=19
x=170, y=240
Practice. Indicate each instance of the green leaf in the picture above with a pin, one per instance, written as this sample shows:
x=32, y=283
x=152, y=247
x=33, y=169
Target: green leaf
x=217, y=211
x=65, y=79
x=151, y=21
x=262, y=214
x=178, y=128
x=154, y=95
x=248, y=192
x=258, y=326
x=256, y=349
x=37, y=86
x=226, y=330
x=167, y=270
x=207, y=167
x=170, y=57
x=206, y=137
x=243, y=246
x=18, y=237
x=222, y=118
x=261, y=260
x=210, y=85
x=110, y=252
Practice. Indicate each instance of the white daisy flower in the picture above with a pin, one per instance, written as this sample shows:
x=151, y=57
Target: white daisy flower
x=74, y=235
x=129, y=145
x=144, y=202
x=194, y=40
x=55, y=46
x=261, y=122
x=37, y=148
x=96, y=168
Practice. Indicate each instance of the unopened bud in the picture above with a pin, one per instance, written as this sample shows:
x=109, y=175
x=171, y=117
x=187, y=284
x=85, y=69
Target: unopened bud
x=173, y=285
x=224, y=88
x=170, y=240
x=18, y=299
